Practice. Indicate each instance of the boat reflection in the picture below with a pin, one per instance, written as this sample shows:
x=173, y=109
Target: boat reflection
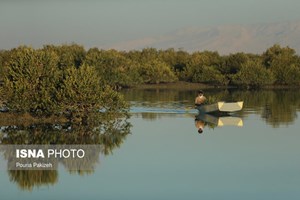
x=216, y=120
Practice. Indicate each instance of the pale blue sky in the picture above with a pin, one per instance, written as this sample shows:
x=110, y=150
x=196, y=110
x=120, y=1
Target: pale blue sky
x=105, y=22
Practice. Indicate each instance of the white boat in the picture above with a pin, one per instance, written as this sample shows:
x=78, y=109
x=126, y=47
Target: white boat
x=221, y=106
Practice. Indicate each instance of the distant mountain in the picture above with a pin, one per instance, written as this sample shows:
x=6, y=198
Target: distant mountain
x=224, y=39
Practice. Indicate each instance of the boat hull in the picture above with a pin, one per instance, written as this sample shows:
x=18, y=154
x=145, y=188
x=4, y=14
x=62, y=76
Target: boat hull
x=221, y=107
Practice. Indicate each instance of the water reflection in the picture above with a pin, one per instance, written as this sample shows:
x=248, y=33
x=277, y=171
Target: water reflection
x=103, y=133
x=275, y=107
x=28, y=179
x=199, y=123
x=216, y=120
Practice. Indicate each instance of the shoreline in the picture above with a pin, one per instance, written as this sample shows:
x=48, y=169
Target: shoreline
x=183, y=85
x=177, y=85
x=10, y=119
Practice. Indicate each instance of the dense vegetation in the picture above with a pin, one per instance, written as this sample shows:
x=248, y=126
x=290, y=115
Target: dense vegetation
x=71, y=80
x=54, y=80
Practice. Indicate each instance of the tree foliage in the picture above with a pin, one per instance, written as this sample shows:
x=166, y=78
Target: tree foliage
x=65, y=78
x=113, y=68
x=30, y=81
x=208, y=74
x=35, y=82
x=253, y=74
x=69, y=55
x=284, y=63
x=80, y=90
x=156, y=71
x=204, y=68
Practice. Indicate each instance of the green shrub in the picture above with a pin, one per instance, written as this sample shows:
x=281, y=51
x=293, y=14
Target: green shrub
x=81, y=92
x=113, y=68
x=156, y=71
x=35, y=83
x=30, y=81
x=208, y=74
x=69, y=55
x=284, y=63
x=253, y=74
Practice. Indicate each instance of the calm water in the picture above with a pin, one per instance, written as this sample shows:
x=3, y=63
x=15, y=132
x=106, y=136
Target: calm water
x=164, y=157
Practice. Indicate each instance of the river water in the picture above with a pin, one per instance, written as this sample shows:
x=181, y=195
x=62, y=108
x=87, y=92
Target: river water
x=252, y=154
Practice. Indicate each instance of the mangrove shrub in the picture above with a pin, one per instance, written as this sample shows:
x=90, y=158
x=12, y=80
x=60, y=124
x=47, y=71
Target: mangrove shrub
x=208, y=74
x=31, y=80
x=113, y=68
x=68, y=55
x=253, y=74
x=156, y=71
x=34, y=82
x=284, y=63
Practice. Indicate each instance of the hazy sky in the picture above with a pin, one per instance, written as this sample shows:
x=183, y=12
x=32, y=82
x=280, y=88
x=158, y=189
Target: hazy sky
x=105, y=22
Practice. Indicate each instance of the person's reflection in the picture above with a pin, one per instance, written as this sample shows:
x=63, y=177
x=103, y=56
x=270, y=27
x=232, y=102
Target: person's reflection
x=199, y=125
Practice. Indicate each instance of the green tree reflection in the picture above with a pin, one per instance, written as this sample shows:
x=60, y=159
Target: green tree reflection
x=28, y=179
x=103, y=133
x=276, y=107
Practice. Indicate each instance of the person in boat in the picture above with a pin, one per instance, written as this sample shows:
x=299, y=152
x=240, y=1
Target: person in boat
x=200, y=99
x=199, y=125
